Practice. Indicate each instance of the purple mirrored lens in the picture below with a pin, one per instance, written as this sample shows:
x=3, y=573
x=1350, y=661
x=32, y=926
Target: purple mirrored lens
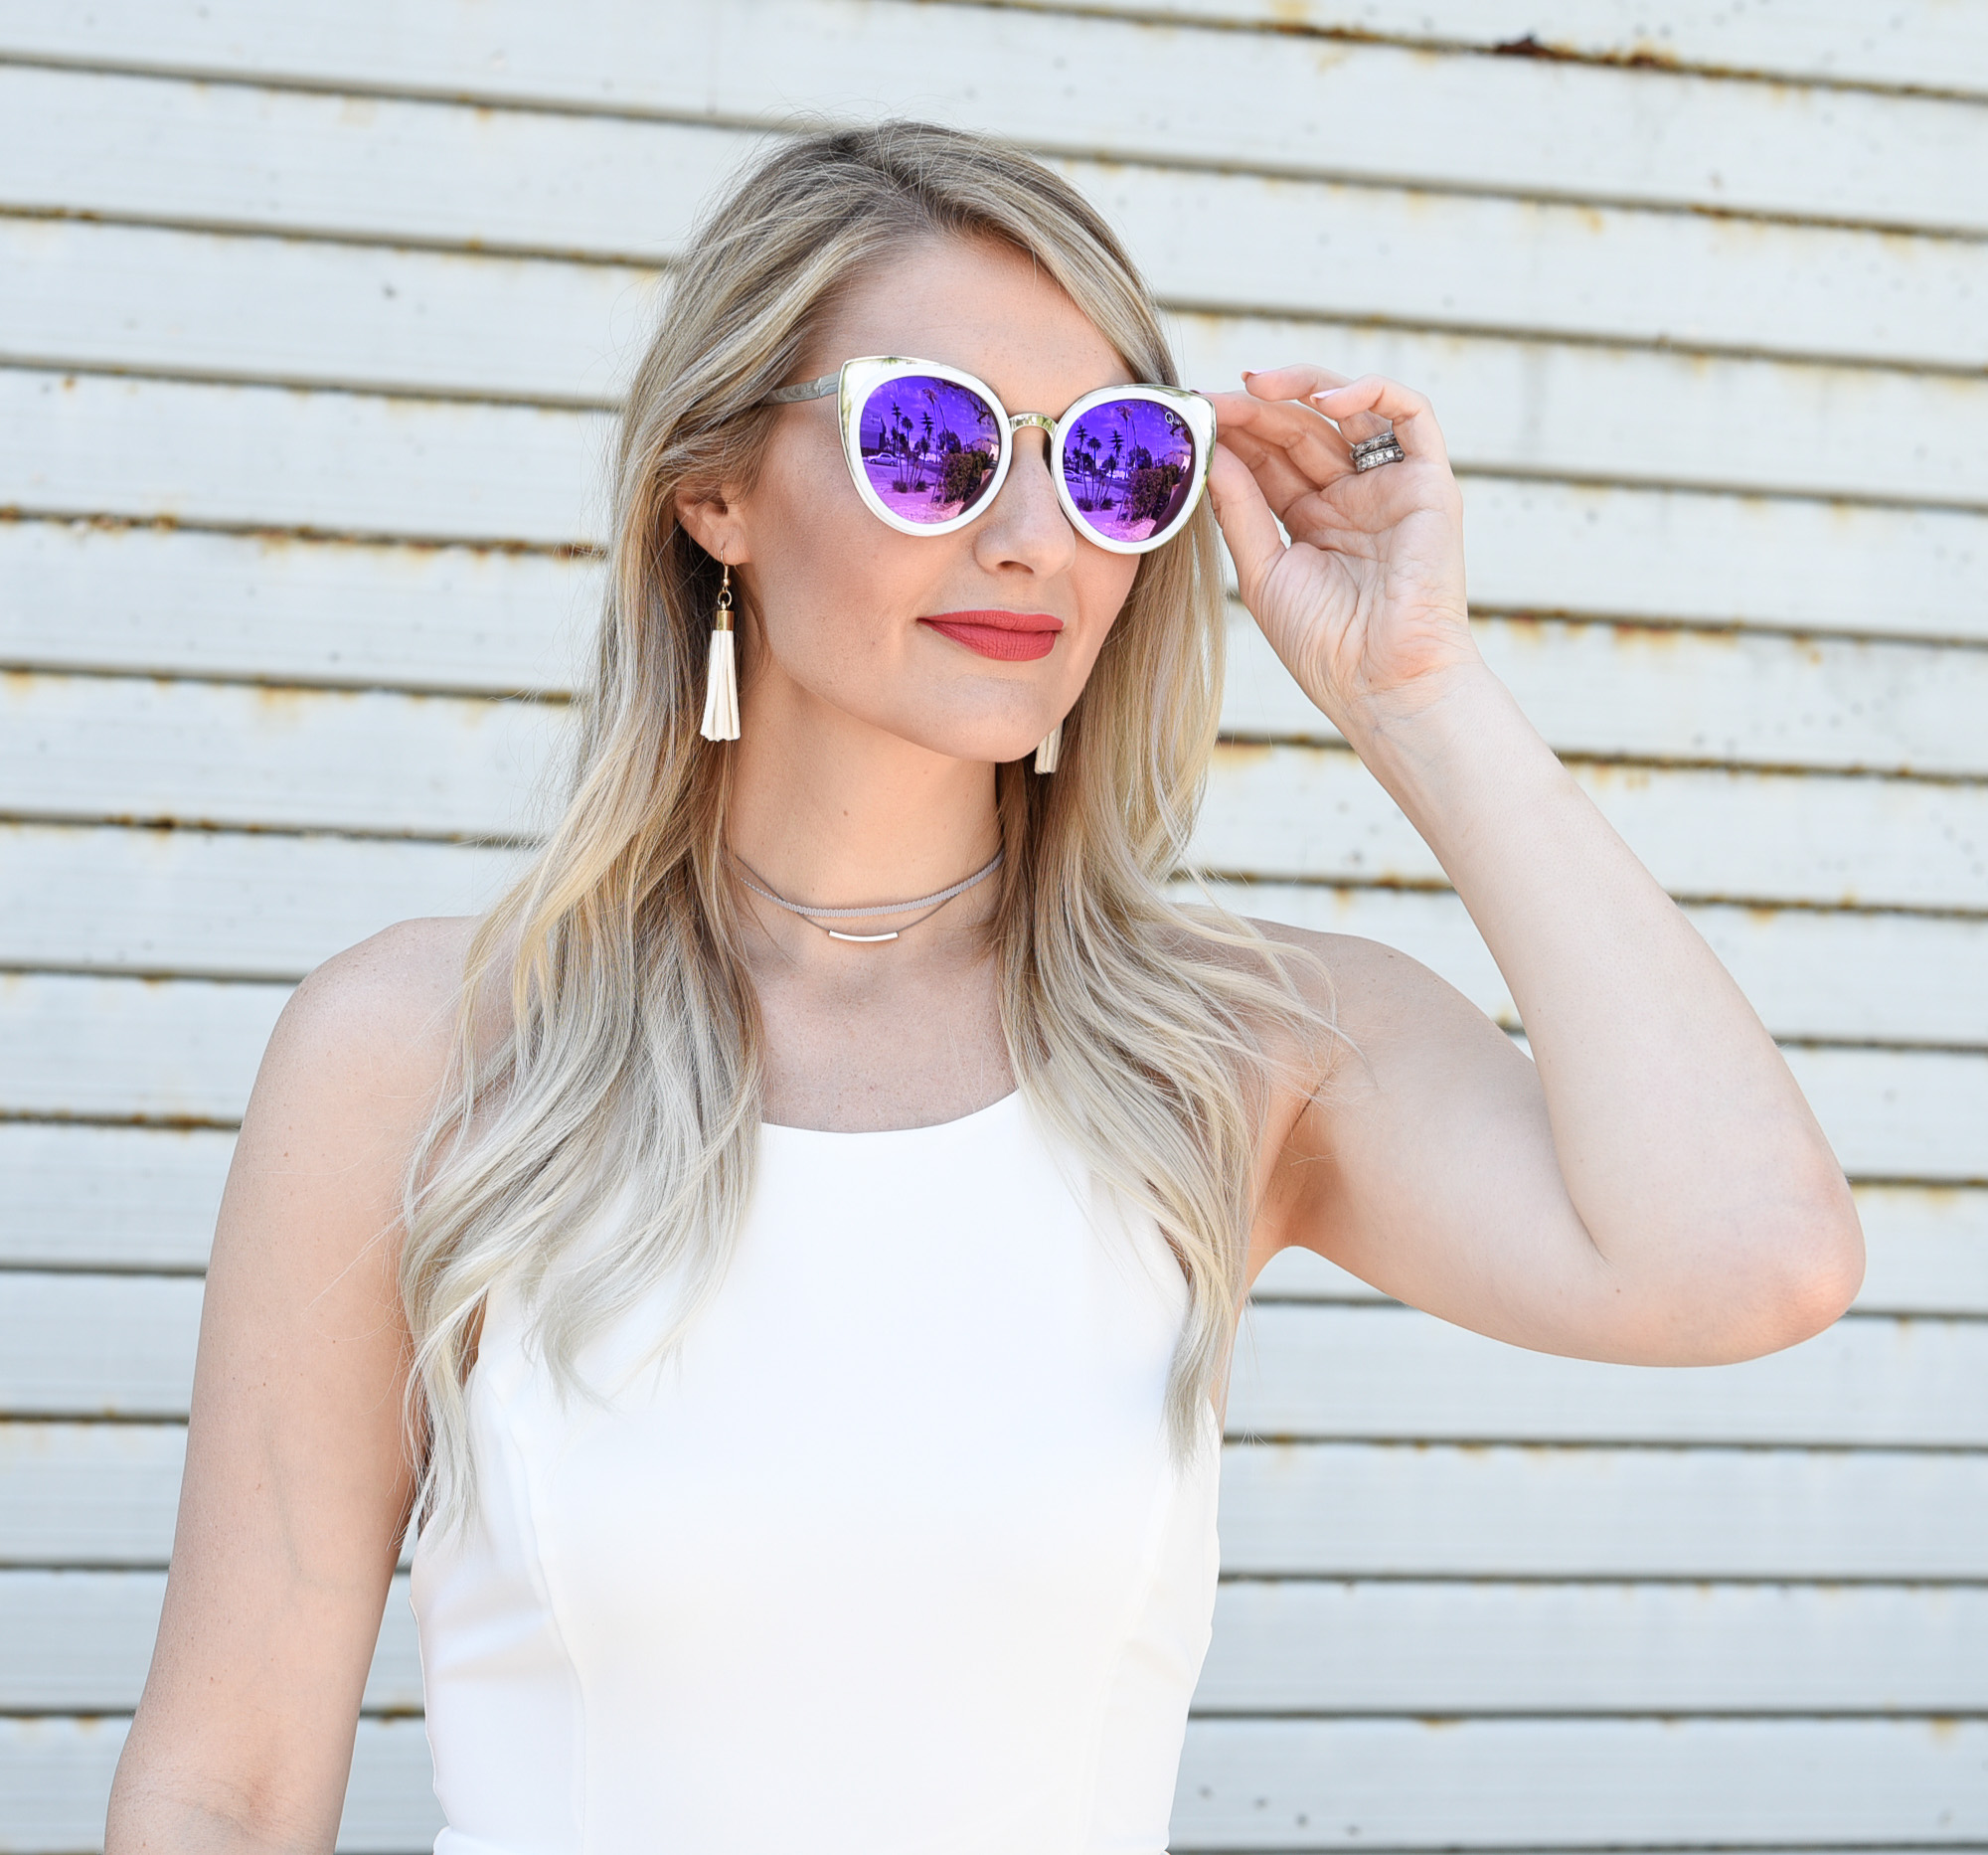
x=1128, y=465
x=929, y=446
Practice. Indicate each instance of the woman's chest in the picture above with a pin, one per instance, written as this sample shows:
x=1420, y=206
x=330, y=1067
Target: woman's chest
x=933, y=1347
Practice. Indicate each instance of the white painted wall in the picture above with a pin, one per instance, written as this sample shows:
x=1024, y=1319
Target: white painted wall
x=310, y=324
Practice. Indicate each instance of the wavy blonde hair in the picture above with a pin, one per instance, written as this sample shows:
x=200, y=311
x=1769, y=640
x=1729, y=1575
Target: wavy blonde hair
x=1137, y=1029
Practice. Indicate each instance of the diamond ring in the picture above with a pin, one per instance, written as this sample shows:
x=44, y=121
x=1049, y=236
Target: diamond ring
x=1372, y=453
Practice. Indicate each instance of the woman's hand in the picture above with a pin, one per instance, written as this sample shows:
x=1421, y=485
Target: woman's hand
x=1365, y=606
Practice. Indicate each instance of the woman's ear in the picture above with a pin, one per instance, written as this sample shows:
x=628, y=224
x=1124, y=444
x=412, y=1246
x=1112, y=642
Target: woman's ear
x=715, y=522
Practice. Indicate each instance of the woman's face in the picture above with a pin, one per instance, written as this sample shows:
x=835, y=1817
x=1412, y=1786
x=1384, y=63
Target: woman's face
x=857, y=618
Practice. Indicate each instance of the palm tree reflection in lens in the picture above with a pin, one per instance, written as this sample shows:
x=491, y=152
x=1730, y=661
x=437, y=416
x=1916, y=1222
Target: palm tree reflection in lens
x=1151, y=468
x=928, y=447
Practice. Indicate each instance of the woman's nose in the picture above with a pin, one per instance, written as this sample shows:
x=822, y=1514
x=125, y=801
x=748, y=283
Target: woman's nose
x=1026, y=525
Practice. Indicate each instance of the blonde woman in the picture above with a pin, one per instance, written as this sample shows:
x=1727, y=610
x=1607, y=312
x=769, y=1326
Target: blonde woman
x=806, y=1221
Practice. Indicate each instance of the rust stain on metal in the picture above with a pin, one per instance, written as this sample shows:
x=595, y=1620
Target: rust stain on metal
x=1614, y=774
x=1641, y=55
x=1944, y=1198
x=1652, y=640
x=1529, y=47
x=286, y=703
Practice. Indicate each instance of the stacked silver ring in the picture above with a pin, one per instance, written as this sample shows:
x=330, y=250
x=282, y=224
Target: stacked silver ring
x=1372, y=453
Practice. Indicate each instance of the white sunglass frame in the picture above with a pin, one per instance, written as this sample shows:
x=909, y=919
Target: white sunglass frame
x=855, y=381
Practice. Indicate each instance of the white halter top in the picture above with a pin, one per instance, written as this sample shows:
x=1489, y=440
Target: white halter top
x=892, y=1559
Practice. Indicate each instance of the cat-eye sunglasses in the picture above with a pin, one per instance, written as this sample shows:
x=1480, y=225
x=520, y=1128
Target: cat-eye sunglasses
x=929, y=448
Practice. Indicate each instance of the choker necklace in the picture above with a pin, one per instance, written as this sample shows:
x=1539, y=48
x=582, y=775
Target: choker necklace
x=820, y=917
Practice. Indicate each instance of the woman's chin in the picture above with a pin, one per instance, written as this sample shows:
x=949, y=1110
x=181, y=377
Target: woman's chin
x=982, y=738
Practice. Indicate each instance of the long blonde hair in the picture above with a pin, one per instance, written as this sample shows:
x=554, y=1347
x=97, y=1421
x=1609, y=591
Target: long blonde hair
x=630, y=1077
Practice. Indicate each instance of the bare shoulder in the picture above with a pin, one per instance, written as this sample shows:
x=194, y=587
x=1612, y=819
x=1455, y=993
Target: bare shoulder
x=1362, y=989
x=1364, y=986
x=356, y=1065
x=1391, y=1020
x=383, y=1010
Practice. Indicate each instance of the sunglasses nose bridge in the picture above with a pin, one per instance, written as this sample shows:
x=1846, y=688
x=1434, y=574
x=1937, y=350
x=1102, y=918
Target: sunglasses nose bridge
x=1016, y=422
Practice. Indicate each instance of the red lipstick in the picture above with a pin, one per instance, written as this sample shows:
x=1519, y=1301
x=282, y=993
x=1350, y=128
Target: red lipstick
x=1014, y=638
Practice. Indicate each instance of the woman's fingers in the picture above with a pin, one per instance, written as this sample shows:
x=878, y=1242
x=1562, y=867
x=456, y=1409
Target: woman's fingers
x=1296, y=382
x=1305, y=438
x=1302, y=381
x=1247, y=525
x=1277, y=476
x=1358, y=409
x=1377, y=401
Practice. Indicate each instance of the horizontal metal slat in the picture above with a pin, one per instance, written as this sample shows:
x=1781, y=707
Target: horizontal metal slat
x=180, y=1051
x=108, y=1197
x=90, y=1494
x=1635, y=691
x=260, y=457
x=271, y=905
x=1531, y=127
x=154, y=300
x=143, y=299
x=1568, y=1785
x=1315, y=814
x=1920, y=45
x=1587, y=1511
x=104, y=1494
x=80, y=1642
x=1323, y=1371
x=79, y=1345
x=264, y=458
x=1914, y=972
x=281, y=608
x=337, y=759
x=1315, y=1645
x=144, y=751
x=186, y=1051
x=1926, y=1247
x=235, y=905
x=96, y=1197
x=1444, y=1783
x=1594, y=412
x=613, y=188
x=1661, y=693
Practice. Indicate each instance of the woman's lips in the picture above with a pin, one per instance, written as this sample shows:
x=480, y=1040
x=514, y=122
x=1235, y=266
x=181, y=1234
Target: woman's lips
x=1015, y=638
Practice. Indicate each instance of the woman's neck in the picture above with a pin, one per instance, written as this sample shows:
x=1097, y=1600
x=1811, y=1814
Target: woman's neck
x=834, y=812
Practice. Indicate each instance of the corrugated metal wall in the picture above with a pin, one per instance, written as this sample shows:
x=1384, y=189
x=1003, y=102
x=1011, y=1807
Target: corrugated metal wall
x=311, y=320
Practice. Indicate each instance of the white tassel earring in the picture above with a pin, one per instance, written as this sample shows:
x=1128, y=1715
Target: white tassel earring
x=721, y=682
x=1052, y=746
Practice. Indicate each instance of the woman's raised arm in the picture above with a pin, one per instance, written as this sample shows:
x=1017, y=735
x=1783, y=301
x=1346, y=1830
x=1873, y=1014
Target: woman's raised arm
x=299, y=1478
x=1652, y=1188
